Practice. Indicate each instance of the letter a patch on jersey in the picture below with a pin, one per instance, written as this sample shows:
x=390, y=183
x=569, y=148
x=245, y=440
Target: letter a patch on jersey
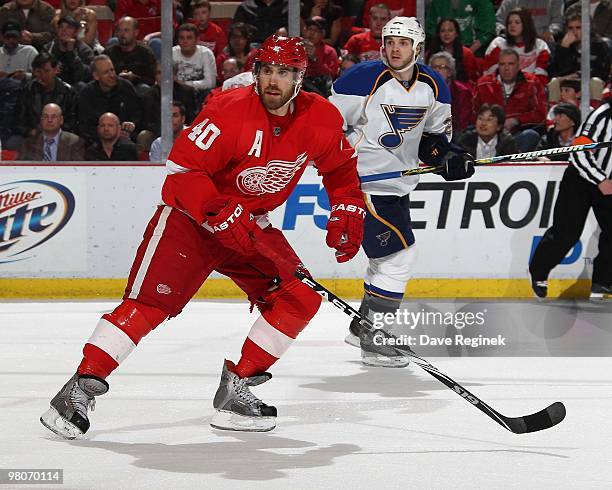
x=400, y=119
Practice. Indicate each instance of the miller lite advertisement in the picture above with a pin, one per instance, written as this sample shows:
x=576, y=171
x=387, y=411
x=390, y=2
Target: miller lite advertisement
x=42, y=223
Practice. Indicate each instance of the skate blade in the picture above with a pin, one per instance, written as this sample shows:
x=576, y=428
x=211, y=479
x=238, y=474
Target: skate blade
x=377, y=360
x=224, y=420
x=53, y=421
x=599, y=297
x=352, y=340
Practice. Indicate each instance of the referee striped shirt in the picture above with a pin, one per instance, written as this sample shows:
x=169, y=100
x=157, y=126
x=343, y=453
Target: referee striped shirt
x=595, y=166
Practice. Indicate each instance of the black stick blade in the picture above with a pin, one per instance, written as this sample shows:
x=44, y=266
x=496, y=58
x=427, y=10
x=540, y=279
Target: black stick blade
x=544, y=419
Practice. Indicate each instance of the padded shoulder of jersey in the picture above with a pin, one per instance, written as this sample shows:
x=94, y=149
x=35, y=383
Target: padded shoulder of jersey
x=361, y=78
x=432, y=78
x=322, y=112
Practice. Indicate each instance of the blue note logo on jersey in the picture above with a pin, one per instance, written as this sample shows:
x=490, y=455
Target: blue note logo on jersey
x=400, y=119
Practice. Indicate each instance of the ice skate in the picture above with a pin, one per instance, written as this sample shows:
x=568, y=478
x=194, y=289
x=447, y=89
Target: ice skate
x=353, y=337
x=374, y=351
x=600, y=293
x=237, y=408
x=539, y=287
x=68, y=413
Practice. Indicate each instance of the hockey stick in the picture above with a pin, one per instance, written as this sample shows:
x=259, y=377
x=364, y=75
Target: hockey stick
x=544, y=419
x=485, y=161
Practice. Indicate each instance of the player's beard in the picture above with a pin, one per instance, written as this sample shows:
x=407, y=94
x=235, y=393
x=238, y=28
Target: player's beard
x=273, y=103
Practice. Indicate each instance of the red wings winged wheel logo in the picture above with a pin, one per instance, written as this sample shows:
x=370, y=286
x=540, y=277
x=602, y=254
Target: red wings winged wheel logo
x=270, y=179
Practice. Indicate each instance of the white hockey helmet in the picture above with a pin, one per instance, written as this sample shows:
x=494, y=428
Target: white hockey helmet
x=408, y=27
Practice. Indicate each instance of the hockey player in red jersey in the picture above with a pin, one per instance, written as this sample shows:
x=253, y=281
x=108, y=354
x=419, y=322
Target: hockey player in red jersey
x=239, y=160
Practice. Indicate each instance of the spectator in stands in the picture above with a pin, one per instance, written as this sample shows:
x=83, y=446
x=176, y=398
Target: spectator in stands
x=547, y=16
x=230, y=68
x=346, y=61
x=15, y=59
x=521, y=35
x=266, y=16
x=152, y=105
x=489, y=138
x=178, y=124
x=46, y=87
x=332, y=14
x=447, y=39
x=322, y=58
x=566, y=57
x=137, y=8
x=10, y=90
x=520, y=94
x=34, y=17
x=107, y=93
x=601, y=15
x=196, y=64
x=133, y=60
x=87, y=19
x=209, y=33
x=238, y=47
x=566, y=124
x=52, y=144
x=461, y=93
x=73, y=55
x=405, y=8
x=570, y=91
x=367, y=44
x=110, y=144
x=476, y=20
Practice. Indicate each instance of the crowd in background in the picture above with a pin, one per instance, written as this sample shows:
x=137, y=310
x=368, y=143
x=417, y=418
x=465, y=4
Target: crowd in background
x=80, y=80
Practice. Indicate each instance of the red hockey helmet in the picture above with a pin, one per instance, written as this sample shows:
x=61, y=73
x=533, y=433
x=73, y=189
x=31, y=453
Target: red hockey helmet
x=284, y=51
x=280, y=50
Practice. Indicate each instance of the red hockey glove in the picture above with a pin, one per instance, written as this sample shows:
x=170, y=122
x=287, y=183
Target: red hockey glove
x=231, y=224
x=345, y=227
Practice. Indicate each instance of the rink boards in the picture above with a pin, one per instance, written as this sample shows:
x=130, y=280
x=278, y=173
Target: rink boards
x=72, y=231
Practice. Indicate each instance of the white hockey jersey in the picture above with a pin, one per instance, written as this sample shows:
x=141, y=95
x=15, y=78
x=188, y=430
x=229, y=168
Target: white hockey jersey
x=385, y=119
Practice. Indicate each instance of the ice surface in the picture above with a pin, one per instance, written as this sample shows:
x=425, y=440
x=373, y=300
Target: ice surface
x=340, y=425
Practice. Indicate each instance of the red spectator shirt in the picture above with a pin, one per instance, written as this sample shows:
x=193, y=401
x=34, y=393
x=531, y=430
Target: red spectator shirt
x=470, y=64
x=461, y=105
x=212, y=36
x=236, y=148
x=534, y=61
x=134, y=8
x=527, y=102
x=405, y=8
x=364, y=46
x=326, y=63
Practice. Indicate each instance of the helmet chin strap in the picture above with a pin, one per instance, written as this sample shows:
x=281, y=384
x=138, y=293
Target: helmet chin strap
x=298, y=84
x=408, y=67
x=296, y=90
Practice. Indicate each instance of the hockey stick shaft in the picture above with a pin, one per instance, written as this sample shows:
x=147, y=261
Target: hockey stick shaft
x=486, y=161
x=422, y=363
x=543, y=419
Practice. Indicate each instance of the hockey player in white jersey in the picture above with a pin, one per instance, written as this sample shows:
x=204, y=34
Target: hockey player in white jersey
x=397, y=113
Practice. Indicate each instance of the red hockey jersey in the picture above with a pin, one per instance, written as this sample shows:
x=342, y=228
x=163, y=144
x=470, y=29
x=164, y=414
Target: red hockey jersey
x=235, y=147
